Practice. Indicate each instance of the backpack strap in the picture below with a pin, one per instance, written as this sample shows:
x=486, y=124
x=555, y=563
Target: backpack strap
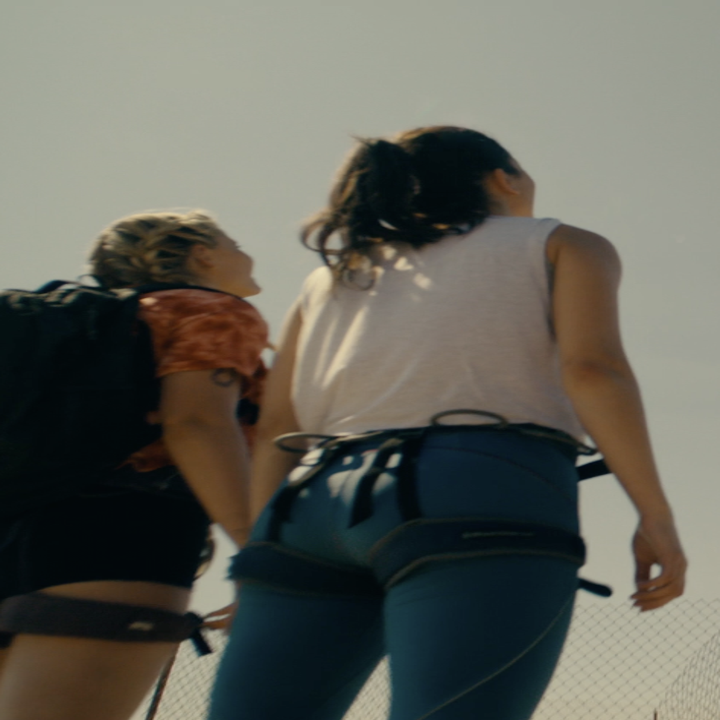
x=42, y=614
x=53, y=285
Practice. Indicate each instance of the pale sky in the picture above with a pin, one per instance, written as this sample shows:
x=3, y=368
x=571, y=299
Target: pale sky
x=247, y=107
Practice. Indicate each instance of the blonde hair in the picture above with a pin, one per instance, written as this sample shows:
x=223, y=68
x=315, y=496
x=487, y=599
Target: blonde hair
x=151, y=247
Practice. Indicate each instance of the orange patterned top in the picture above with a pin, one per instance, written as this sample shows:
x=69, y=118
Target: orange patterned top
x=202, y=330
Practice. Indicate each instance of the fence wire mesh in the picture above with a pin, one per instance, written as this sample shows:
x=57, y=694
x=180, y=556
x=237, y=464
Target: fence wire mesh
x=617, y=665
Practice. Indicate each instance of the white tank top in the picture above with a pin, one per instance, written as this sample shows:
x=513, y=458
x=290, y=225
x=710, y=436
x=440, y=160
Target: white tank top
x=462, y=323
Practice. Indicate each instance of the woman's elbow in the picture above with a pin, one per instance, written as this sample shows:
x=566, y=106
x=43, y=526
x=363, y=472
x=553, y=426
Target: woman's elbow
x=592, y=372
x=178, y=424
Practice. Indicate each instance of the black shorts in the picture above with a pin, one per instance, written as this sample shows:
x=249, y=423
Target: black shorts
x=123, y=531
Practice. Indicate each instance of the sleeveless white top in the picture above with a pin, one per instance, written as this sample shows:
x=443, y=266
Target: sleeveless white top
x=462, y=323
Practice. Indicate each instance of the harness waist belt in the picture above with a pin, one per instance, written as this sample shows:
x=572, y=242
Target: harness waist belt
x=407, y=443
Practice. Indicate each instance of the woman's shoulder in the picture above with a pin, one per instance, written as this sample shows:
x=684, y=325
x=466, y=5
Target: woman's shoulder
x=196, y=329
x=319, y=276
x=583, y=244
x=188, y=302
x=191, y=296
x=508, y=231
x=318, y=282
x=518, y=224
x=202, y=314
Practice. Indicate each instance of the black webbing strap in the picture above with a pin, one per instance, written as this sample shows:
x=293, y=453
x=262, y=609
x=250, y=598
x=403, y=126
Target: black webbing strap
x=405, y=442
x=593, y=469
x=362, y=504
x=280, y=510
x=330, y=448
x=42, y=614
x=406, y=474
x=595, y=588
x=281, y=506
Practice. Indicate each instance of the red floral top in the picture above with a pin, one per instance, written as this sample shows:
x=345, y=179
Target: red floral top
x=203, y=330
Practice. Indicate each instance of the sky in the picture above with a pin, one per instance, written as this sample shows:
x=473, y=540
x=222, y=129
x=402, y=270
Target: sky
x=246, y=108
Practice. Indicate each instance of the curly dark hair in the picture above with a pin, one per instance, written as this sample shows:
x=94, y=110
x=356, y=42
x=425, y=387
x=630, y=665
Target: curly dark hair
x=417, y=188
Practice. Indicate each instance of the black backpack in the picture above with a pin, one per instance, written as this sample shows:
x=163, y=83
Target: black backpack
x=76, y=383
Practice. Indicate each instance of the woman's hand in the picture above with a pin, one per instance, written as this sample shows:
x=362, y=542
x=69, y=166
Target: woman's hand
x=656, y=542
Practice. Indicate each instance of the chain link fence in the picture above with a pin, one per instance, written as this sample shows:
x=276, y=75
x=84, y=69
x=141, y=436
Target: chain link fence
x=617, y=664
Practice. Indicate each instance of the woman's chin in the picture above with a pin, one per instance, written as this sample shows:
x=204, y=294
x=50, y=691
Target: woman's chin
x=252, y=288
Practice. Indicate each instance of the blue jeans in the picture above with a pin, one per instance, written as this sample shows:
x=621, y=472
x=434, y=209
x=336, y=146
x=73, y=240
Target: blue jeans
x=468, y=638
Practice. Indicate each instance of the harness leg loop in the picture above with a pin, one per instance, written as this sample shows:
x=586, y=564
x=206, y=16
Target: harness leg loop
x=43, y=614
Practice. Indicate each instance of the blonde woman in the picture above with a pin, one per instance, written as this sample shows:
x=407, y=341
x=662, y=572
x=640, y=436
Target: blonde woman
x=135, y=538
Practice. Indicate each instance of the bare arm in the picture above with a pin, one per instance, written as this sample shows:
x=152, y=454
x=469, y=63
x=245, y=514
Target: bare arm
x=271, y=465
x=606, y=397
x=202, y=435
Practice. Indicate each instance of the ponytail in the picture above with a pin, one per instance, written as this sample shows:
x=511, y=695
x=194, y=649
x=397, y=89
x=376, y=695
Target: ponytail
x=422, y=187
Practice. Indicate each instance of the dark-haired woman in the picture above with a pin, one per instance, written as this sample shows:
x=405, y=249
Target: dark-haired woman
x=121, y=555
x=451, y=547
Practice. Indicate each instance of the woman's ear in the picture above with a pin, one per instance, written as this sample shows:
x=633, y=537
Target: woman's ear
x=200, y=257
x=502, y=182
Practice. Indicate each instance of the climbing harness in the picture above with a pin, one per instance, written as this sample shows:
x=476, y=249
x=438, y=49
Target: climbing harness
x=417, y=541
x=42, y=614
x=38, y=613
